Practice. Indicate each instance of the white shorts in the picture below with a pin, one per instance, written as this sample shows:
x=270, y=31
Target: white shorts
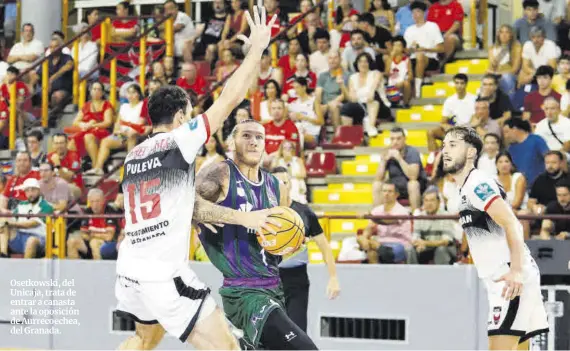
x=176, y=304
x=524, y=316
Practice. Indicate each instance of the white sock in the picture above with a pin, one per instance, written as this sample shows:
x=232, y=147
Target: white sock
x=418, y=85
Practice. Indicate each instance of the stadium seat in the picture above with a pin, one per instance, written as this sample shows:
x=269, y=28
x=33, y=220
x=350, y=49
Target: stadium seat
x=475, y=66
x=446, y=89
x=358, y=168
x=319, y=164
x=110, y=189
x=350, y=186
x=346, y=137
x=427, y=113
x=328, y=196
x=416, y=138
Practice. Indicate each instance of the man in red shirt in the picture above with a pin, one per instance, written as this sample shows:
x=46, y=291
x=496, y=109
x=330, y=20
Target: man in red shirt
x=272, y=8
x=279, y=129
x=97, y=234
x=193, y=83
x=448, y=15
x=13, y=193
x=67, y=164
x=22, y=94
x=533, y=102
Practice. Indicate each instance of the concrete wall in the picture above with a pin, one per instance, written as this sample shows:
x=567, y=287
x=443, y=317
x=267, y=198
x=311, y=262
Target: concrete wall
x=45, y=15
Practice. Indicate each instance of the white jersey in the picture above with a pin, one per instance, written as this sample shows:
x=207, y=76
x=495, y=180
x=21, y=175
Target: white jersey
x=487, y=240
x=158, y=184
x=398, y=71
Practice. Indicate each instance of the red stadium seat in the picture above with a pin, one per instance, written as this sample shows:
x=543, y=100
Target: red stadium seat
x=346, y=137
x=110, y=189
x=319, y=164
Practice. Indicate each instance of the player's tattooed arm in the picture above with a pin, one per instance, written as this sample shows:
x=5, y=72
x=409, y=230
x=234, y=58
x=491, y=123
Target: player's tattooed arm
x=212, y=181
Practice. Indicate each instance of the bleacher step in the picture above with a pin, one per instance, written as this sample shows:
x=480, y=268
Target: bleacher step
x=327, y=208
x=342, y=179
x=449, y=77
x=427, y=101
x=471, y=54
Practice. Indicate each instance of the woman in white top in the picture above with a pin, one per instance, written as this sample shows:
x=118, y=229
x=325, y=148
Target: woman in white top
x=128, y=128
x=512, y=181
x=212, y=152
x=491, y=148
x=505, y=59
x=271, y=92
x=565, y=101
x=302, y=112
x=296, y=168
x=88, y=53
x=363, y=105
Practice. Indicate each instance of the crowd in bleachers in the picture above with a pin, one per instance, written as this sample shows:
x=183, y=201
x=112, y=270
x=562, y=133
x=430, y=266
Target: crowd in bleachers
x=356, y=79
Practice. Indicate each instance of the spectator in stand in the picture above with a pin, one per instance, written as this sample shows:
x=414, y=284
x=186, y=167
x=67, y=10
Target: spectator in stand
x=55, y=190
x=240, y=114
x=379, y=38
x=307, y=36
x=279, y=129
x=448, y=15
x=286, y=157
x=169, y=70
x=555, y=128
x=425, y=42
x=481, y=120
x=505, y=59
x=60, y=72
x=301, y=71
x=287, y=63
x=22, y=101
x=183, y=26
x=364, y=106
x=3, y=182
x=399, y=72
x=526, y=149
x=532, y=18
x=500, y=105
x=272, y=8
x=537, y=52
x=533, y=102
x=561, y=79
x=513, y=182
x=228, y=65
x=91, y=17
x=266, y=73
x=92, y=122
x=123, y=29
x=432, y=240
x=4, y=125
x=97, y=234
x=271, y=92
x=34, y=147
x=236, y=24
x=553, y=10
x=194, y=84
x=208, y=35
x=67, y=164
x=383, y=14
x=543, y=190
x=158, y=73
x=558, y=229
x=491, y=147
x=212, y=152
x=27, y=235
x=61, y=37
x=404, y=18
x=565, y=101
x=345, y=18
x=458, y=109
x=403, y=165
x=88, y=53
x=358, y=46
x=13, y=192
x=387, y=240
x=129, y=127
x=23, y=54
x=3, y=68
x=319, y=58
x=302, y=112
x=331, y=89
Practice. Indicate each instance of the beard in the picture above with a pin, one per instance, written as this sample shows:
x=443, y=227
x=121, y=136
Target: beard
x=554, y=174
x=455, y=167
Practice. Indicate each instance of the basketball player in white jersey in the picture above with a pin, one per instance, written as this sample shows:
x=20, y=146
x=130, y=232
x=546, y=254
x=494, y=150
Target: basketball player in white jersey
x=155, y=286
x=495, y=237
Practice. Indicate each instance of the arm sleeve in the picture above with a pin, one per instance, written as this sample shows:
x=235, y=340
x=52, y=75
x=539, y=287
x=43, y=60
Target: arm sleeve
x=191, y=136
x=482, y=193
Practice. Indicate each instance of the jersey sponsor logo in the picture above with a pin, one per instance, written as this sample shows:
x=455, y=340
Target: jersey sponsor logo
x=464, y=220
x=193, y=124
x=496, y=315
x=484, y=191
x=134, y=168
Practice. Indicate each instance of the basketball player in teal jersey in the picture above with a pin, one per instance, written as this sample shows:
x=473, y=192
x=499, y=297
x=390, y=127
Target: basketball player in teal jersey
x=251, y=293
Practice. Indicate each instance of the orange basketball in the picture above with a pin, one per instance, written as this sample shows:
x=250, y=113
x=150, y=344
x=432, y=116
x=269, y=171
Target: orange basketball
x=288, y=238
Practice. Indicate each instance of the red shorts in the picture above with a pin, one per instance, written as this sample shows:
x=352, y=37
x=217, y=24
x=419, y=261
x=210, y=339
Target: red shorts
x=79, y=138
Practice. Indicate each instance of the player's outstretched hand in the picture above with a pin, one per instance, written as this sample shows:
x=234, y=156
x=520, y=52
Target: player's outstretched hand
x=333, y=288
x=261, y=221
x=513, y=284
x=260, y=30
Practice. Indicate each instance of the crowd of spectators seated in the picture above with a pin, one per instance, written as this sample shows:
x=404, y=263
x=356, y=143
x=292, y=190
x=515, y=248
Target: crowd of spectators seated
x=358, y=73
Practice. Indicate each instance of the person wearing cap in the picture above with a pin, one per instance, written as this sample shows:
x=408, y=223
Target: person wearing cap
x=26, y=235
x=532, y=18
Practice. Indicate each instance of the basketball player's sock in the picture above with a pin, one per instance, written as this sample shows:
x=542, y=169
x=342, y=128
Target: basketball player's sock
x=418, y=85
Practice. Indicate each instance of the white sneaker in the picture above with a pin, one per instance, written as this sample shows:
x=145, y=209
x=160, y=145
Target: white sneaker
x=370, y=130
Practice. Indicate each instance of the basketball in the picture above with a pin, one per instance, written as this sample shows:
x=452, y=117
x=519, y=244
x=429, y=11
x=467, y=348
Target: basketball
x=288, y=238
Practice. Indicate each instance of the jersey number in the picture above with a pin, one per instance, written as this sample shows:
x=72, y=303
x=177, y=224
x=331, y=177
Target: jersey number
x=144, y=198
